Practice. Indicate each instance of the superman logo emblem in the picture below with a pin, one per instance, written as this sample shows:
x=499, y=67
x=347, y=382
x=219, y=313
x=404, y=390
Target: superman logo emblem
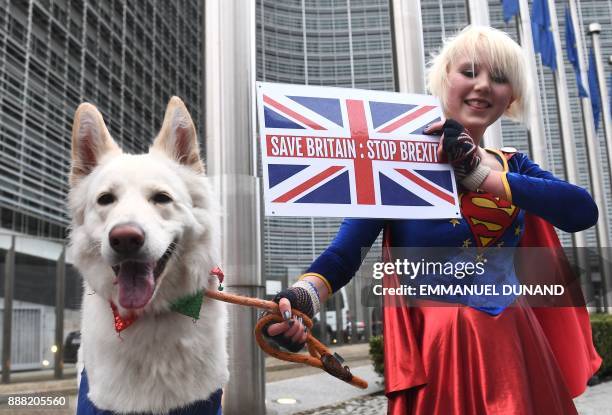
x=488, y=216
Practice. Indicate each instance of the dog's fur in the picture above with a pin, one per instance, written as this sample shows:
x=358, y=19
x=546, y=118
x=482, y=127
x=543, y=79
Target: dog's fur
x=164, y=360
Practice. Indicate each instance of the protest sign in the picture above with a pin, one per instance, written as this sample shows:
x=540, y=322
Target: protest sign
x=340, y=152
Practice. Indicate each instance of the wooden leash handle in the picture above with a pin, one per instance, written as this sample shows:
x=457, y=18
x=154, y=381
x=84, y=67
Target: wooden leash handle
x=320, y=356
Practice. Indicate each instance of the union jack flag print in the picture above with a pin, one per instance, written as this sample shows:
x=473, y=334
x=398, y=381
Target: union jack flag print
x=351, y=153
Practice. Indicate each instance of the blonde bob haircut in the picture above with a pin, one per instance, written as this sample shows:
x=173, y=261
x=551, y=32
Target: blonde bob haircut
x=488, y=47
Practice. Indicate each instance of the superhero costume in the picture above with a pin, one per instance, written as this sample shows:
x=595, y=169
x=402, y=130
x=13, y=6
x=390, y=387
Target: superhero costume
x=475, y=358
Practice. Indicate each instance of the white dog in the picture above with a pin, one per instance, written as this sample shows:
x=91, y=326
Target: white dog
x=144, y=234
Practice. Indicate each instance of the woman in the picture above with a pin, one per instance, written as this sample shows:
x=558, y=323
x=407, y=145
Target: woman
x=491, y=355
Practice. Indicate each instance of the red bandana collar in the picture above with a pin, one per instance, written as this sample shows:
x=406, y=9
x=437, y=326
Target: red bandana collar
x=120, y=322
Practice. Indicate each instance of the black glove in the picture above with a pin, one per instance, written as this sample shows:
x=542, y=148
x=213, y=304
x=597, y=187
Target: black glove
x=460, y=148
x=300, y=300
x=463, y=155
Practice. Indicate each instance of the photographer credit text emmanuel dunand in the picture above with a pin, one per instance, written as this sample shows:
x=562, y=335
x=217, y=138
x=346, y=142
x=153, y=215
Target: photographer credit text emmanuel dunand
x=465, y=278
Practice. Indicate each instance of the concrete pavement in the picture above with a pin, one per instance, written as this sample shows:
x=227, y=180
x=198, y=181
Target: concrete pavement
x=316, y=391
x=306, y=390
x=597, y=400
x=281, y=378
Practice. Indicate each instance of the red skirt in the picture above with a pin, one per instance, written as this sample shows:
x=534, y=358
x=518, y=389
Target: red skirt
x=475, y=363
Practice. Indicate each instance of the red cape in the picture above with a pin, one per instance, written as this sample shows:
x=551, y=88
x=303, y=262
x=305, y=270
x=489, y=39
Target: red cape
x=567, y=329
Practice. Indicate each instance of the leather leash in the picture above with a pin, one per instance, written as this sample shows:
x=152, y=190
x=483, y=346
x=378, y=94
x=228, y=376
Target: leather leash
x=320, y=355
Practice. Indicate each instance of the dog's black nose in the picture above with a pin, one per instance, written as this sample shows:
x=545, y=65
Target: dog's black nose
x=126, y=238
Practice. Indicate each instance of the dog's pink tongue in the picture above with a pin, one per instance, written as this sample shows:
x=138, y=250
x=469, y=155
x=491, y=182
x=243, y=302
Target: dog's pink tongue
x=136, y=284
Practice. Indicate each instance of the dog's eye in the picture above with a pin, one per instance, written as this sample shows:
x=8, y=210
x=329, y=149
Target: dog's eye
x=161, y=197
x=106, y=199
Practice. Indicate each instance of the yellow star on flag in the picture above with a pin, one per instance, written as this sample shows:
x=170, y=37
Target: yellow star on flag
x=467, y=243
x=517, y=231
x=454, y=222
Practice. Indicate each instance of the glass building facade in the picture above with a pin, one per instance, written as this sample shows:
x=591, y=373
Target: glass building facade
x=345, y=43
x=127, y=58
x=349, y=43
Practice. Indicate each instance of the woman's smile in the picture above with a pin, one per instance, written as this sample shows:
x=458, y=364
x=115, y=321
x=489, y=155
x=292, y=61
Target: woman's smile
x=478, y=104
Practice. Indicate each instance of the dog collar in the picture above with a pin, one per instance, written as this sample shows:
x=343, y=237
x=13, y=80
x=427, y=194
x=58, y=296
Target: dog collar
x=188, y=305
x=120, y=322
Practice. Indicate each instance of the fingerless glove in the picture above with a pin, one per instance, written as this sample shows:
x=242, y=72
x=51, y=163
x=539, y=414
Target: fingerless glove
x=463, y=155
x=304, y=297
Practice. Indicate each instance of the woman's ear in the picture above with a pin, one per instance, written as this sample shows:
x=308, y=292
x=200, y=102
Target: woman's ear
x=512, y=99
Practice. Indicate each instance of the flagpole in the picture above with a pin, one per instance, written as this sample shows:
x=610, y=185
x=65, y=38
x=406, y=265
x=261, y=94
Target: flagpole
x=409, y=51
x=231, y=137
x=567, y=141
x=565, y=117
x=478, y=14
x=594, y=31
x=536, y=126
x=593, y=151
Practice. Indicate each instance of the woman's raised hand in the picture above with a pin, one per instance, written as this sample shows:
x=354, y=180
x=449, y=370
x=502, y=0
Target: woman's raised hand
x=461, y=151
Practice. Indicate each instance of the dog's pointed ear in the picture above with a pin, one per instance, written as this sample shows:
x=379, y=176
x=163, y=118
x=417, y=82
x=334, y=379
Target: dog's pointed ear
x=177, y=137
x=90, y=141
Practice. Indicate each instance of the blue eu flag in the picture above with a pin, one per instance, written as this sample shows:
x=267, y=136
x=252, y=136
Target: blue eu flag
x=572, y=52
x=510, y=8
x=594, y=89
x=542, y=35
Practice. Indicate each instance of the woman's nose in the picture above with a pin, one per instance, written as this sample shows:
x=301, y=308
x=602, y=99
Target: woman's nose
x=483, y=82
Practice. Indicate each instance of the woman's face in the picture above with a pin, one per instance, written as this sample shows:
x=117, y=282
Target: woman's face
x=476, y=98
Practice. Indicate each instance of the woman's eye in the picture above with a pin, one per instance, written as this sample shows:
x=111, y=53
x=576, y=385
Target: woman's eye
x=161, y=198
x=468, y=73
x=106, y=199
x=499, y=79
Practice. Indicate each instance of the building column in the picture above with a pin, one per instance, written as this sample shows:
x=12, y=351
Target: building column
x=231, y=164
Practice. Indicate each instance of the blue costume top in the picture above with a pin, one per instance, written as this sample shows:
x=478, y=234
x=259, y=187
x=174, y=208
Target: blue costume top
x=487, y=222
x=211, y=406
